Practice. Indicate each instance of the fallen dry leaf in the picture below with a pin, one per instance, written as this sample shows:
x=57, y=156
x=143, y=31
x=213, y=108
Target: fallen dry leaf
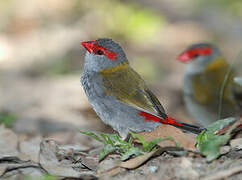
x=187, y=141
x=111, y=162
x=30, y=148
x=3, y=168
x=8, y=142
x=236, y=143
x=14, y=168
x=51, y=160
x=112, y=166
x=224, y=149
x=111, y=172
x=136, y=162
x=90, y=162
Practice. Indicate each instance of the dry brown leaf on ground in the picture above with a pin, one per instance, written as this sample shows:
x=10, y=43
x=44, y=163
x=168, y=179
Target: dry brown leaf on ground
x=236, y=144
x=8, y=142
x=3, y=168
x=13, y=163
x=136, y=162
x=111, y=167
x=14, y=168
x=187, y=141
x=59, y=163
x=29, y=148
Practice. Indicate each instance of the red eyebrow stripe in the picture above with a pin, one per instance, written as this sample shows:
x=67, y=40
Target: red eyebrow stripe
x=109, y=54
x=188, y=55
x=201, y=51
x=93, y=47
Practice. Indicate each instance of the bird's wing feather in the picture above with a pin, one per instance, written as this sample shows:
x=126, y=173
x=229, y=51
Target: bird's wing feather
x=207, y=87
x=128, y=87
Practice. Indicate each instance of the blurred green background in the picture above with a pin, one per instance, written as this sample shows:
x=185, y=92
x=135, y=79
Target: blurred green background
x=41, y=57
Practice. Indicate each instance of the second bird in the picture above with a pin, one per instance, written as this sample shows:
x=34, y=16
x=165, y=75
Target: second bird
x=207, y=96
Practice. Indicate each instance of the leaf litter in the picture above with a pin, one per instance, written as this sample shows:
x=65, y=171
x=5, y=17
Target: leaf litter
x=141, y=149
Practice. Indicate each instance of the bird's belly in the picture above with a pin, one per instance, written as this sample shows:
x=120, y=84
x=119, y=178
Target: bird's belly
x=120, y=116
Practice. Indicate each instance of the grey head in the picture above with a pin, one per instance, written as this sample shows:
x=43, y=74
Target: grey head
x=103, y=54
x=198, y=56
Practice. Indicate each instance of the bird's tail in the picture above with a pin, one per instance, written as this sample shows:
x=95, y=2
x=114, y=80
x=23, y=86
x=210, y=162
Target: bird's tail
x=188, y=127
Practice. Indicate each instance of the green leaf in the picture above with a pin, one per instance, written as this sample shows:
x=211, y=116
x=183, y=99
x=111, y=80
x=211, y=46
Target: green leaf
x=209, y=143
x=116, y=140
x=140, y=138
x=114, y=144
x=107, y=139
x=152, y=144
x=211, y=148
x=131, y=151
x=205, y=136
x=91, y=134
x=105, y=151
x=7, y=119
x=45, y=177
x=48, y=177
x=130, y=140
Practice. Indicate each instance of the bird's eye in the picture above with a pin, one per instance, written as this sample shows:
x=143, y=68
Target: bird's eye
x=100, y=52
x=195, y=55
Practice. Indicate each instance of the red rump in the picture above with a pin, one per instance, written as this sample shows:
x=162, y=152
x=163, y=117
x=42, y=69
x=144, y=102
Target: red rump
x=150, y=117
x=190, y=54
x=172, y=121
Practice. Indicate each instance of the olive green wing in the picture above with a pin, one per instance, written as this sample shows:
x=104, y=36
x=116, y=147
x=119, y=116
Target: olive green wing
x=128, y=87
x=207, y=85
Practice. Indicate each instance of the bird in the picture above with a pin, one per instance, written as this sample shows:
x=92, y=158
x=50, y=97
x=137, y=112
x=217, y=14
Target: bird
x=118, y=94
x=210, y=92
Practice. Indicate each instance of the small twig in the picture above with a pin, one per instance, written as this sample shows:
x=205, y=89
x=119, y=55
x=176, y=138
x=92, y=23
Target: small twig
x=235, y=125
x=224, y=174
x=231, y=127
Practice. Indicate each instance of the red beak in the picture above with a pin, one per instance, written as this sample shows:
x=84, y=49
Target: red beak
x=184, y=57
x=88, y=45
